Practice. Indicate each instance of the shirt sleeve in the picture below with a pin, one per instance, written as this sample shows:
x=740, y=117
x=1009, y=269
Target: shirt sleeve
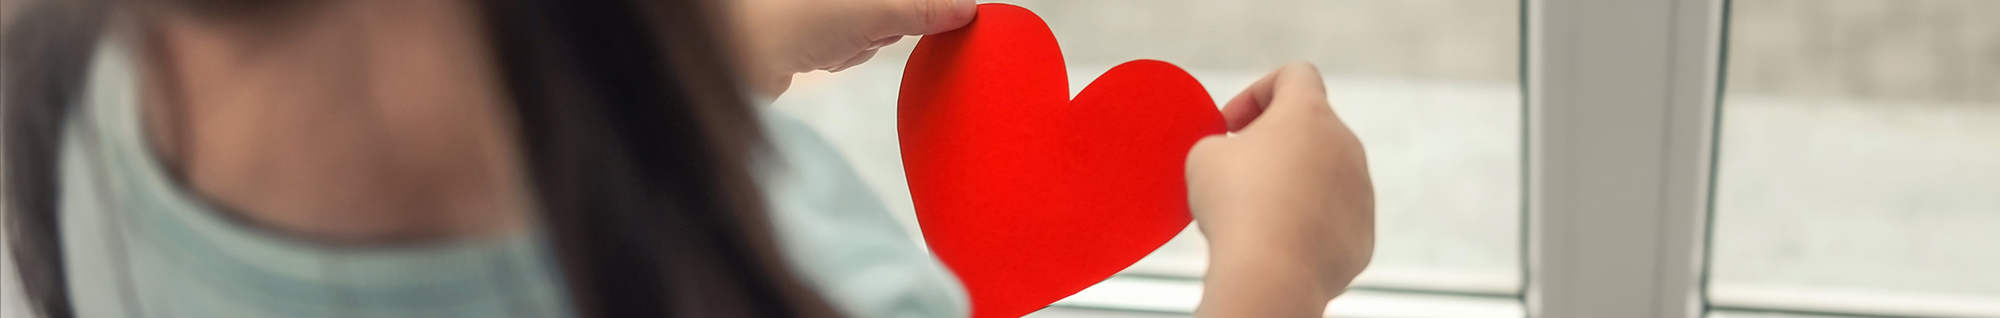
x=840, y=237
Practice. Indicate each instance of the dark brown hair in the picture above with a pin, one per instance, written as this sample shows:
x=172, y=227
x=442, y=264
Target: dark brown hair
x=637, y=140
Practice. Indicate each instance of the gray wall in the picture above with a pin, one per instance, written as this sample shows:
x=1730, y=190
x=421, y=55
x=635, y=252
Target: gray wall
x=1935, y=50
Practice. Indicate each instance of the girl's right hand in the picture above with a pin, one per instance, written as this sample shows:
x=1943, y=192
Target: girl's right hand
x=781, y=38
x=1285, y=201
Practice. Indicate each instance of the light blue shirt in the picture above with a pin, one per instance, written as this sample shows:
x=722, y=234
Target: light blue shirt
x=136, y=245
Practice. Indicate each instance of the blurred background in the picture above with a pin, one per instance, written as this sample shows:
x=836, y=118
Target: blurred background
x=1858, y=161
x=1858, y=158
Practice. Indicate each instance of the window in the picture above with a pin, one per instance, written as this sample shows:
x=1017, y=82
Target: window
x=1585, y=158
x=1859, y=161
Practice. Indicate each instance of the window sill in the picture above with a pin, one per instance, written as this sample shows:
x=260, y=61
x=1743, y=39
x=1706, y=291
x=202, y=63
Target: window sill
x=1846, y=302
x=1176, y=297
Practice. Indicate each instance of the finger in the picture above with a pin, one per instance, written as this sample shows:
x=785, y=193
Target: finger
x=920, y=17
x=772, y=87
x=884, y=42
x=853, y=61
x=1294, y=87
x=1298, y=87
x=862, y=57
x=1249, y=104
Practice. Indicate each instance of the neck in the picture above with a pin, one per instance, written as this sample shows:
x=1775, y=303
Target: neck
x=352, y=122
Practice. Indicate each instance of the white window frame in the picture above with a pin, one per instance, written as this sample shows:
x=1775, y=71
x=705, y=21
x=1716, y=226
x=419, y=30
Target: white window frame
x=1621, y=121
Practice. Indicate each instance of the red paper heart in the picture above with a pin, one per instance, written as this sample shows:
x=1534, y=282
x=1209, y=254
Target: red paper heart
x=1030, y=196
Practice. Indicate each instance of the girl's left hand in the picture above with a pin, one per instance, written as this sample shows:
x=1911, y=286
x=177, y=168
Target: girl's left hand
x=780, y=38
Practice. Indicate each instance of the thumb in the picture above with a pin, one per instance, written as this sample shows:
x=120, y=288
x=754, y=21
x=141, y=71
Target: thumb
x=920, y=17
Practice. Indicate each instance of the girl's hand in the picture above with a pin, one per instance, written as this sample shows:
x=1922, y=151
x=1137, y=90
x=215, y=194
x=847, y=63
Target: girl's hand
x=1285, y=202
x=780, y=38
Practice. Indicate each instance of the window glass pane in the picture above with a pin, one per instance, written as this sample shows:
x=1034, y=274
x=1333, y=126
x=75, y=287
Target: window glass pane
x=1430, y=86
x=1859, y=158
